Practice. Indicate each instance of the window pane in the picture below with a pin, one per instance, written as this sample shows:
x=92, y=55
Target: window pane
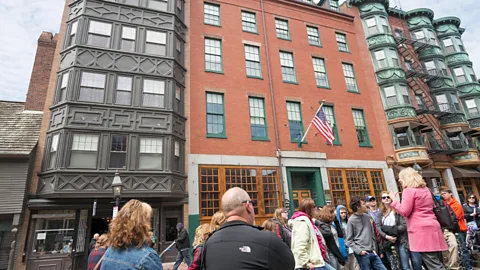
x=124, y=83
x=288, y=69
x=320, y=72
x=154, y=86
x=342, y=42
x=151, y=145
x=84, y=151
x=93, y=80
x=213, y=55
x=129, y=32
x=215, y=117
x=64, y=80
x=370, y=22
x=212, y=14
x=54, y=145
x=282, y=29
x=156, y=37
x=118, y=151
x=249, y=22
x=294, y=120
x=313, y=35
x=158, y=4
x=349, y=77
x=100, y=28
x=252, y=57
x=257, y=117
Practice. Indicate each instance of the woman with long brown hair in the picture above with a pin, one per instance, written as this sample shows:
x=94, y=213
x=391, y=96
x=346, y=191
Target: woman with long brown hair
x=280, y=218
x=324, y=222
x=392, y=228
x=129, y=238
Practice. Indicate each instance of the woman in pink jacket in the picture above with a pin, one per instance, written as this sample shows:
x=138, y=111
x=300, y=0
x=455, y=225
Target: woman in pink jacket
x=424, y=233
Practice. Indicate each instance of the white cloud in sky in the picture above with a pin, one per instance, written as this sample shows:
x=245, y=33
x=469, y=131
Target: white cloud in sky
x=21, y=23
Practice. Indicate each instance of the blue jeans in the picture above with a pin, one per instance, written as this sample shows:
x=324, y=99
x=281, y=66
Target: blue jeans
x=404, y=257
x=462, y=237
x=416, y=260
x=183, y=254
x=370, y=261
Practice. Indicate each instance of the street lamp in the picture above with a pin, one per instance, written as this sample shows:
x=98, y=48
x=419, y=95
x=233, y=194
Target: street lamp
x=117, y=191
x=417, y=167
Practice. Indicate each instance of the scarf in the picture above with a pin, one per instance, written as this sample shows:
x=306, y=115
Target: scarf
x=317, y=233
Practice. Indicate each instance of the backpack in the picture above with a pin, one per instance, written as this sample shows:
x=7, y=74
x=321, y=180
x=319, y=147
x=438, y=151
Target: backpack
x=445, y=215
x=453, y=217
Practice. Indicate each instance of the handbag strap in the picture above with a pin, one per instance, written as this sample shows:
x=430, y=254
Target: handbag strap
x=435, y=201
x=99, y=262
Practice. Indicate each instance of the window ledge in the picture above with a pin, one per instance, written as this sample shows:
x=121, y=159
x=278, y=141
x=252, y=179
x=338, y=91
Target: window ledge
x=217, y=136
x=353, y=92
x=324, y=87
x=289, y=82
x=216, y=25
x=316, y=45
x=213, y=71
x=261, y=139
x=366, y=145
x=335, y=144
x=287, y=39
x=254, y=77
x=256, y=33
x=345, y=51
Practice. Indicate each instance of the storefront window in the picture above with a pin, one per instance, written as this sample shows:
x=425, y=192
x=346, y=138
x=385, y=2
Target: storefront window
x=54, y=235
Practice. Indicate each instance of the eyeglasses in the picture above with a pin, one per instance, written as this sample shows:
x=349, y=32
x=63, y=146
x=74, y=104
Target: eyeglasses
x=386, y=197
x=471, y=197
x=250, y=201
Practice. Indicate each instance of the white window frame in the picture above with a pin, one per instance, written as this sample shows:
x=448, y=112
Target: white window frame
x=86, y=144
x=129, y=34
x=211, y=14
x=102, y=29
x=152, y=90
x=94, y=83
x=459, y=72
x=150, y=149
x=156, y=38
x=124, y=90
x=381, y=58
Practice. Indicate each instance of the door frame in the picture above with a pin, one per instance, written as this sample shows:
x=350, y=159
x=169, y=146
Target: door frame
x=320, y=199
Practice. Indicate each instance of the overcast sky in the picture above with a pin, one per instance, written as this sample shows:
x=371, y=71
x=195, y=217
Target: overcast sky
x=22, y=22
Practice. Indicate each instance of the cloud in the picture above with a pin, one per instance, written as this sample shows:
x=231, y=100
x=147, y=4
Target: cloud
x=21, y=23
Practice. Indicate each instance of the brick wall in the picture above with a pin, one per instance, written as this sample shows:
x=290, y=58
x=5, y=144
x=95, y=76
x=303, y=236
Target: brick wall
x=40, y=78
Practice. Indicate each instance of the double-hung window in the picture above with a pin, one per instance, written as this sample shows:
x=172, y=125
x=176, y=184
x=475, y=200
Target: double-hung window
x=211, y=14
x=124, y=90
x=128, y=38
x=403, y=90
x=153, y=93
x=92, y=87
x=150, y=156
x=118, y=152
x=402, y=136
x=334, y=5
x=455, y=102
x=472, y=107
x=288, y=67
x=460, y=44
x=442, y=102
x=73, y=34
x=282, y=29
x=99, y=34
x=84, y=151
x=249, y=22
x=320, y=72
x=178, y=98
x=313, y=36
x=419, y=36
x=371, y=26
x=295, y=122
x=158, y=4
x=431, y=37
x=381, y=59
x=52, y=160
x=470, y=72
x=215, y=115
x=176, y=153
x=349, y=75
x=448, y=45
x=156, y=42
x=258, y=122
x=63, y=87
x=390, y=96
x=384, y=23
x=252, y=61
x=431, y=68
x=361, y=127
x=342, y=42
x=330, y=115
x=460, y=75
x=394, y=56
x=213, y=55
x=442, y=67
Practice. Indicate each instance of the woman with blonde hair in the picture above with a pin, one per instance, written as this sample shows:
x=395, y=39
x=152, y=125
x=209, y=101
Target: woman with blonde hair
x=218, y=219
x=201, y=235
x=424, y=232
x=280, y=218
x=129, y=239
x=94, y=259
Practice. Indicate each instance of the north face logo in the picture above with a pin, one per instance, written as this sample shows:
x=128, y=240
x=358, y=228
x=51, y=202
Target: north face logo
x=245, y=249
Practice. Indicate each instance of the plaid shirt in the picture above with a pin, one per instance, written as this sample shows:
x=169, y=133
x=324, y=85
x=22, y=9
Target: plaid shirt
x=94, y=257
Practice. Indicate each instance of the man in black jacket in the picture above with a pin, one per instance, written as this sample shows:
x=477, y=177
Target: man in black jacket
x=238, y=244
x=183, y=245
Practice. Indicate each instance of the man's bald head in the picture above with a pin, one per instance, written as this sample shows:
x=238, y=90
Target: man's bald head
x=233, y=199
x=96, y=236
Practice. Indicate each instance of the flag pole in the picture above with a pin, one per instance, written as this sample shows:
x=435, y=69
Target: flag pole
x=310, y=125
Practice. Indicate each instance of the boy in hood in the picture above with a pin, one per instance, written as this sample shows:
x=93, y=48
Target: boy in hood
x=342, y=218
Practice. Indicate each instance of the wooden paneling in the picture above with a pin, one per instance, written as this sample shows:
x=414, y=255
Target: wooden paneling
x=13, y=178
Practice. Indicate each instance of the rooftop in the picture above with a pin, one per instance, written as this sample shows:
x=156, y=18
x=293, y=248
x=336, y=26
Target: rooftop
x=19, y=129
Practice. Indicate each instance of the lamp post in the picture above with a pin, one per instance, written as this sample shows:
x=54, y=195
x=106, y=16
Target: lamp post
x=417, y=168
x=117, y=187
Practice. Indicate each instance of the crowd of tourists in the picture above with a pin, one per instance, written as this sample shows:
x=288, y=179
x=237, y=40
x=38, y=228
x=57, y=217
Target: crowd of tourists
x=412, y=233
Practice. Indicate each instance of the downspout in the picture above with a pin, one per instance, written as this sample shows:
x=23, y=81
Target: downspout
x=272, y=96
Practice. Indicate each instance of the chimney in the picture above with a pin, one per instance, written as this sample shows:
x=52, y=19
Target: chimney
x=37, y=90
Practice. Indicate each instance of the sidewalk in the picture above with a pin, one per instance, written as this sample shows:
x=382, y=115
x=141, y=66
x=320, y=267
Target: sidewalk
x=169, y=266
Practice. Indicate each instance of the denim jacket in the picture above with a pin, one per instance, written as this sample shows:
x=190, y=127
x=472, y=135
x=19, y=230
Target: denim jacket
x=131, y=258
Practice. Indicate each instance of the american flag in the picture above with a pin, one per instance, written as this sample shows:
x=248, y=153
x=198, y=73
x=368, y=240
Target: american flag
x=321, y=123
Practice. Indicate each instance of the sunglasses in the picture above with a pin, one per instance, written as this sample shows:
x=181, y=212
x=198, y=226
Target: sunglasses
x=471, y=197
x=250, y=201
x=385, y=197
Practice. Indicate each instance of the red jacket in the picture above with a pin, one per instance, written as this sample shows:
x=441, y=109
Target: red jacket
x=458, y=209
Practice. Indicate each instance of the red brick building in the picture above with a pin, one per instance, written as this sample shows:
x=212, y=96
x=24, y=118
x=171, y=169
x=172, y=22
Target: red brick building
x=258, y=73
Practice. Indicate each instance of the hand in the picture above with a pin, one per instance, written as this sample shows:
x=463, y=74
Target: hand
x=363, y=253
x=391, y=238
x=473, y=214
x=393, y=195
x=374, y=252
x=310, y=266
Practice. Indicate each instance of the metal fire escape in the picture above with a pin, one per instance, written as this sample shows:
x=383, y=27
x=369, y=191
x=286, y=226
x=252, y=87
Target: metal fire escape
x=428, y=110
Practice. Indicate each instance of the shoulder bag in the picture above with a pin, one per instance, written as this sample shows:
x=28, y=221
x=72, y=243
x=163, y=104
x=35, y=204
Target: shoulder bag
x=442, y=213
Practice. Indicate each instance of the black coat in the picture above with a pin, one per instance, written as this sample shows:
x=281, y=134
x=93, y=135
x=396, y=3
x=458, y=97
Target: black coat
x=399, y=231
x=331, y=244
x=91, y=246
x=238, y=245
x=468, y=211
x=182, y=241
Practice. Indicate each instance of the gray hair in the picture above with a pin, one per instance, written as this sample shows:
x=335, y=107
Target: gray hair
x=233, y=199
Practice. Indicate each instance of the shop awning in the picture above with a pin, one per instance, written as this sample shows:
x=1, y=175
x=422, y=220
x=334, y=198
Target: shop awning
x=431, y=173
x=464, y=173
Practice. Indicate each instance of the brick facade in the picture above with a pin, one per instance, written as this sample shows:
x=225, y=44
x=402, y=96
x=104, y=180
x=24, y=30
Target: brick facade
x=40, y=78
